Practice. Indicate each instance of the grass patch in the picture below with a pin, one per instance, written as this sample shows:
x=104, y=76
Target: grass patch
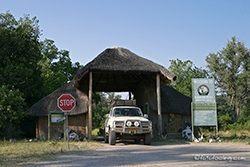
x=95, y=132
x=23, y=153
x=235, y=138
x=228, y=136
x=234, y=133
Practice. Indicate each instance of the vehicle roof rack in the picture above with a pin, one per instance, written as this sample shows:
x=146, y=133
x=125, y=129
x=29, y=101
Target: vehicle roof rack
x=120, y=102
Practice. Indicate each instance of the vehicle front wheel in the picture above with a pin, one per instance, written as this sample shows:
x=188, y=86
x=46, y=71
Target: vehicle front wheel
x=112, y=137
x=147, y=139
x=106, y=138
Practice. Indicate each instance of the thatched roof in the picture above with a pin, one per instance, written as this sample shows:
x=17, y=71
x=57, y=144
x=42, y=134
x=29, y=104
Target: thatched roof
x=49, y=103
x=172, y=101
x=117, y=69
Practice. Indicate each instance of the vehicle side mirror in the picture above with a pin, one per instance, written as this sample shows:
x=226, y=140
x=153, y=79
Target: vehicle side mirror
x=146, y=116
x=107, y=115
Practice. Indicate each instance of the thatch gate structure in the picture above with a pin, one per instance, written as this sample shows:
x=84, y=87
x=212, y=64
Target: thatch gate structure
x=119, y=70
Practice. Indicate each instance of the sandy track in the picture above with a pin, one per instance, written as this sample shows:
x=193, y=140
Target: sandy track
x=158, y=154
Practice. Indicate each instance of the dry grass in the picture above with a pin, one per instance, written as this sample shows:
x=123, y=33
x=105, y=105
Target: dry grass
x=233, y=132
x=235, y=136
x=23, y=153
x=231, y=135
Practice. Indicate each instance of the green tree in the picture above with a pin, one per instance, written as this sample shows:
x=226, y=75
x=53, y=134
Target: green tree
x=11, y=106
x=35, y=68
x=101, y=106
x=223, y=110
x=27, y=65
x=100, y=109
x=19, y=55
x=57, y=68
x=244, y=117
x=185, y=71
x=231, y=69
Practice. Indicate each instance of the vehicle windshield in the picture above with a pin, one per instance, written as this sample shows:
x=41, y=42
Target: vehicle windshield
x=118, y=112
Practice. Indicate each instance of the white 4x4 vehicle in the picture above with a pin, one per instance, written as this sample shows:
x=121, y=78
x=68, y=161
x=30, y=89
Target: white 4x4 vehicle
x=127, y=122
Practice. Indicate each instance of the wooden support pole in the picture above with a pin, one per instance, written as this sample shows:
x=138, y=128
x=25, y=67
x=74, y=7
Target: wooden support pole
x=49, y=127
x=37, y=128
x=90, y=106
x=87, y=126
x=158, y=91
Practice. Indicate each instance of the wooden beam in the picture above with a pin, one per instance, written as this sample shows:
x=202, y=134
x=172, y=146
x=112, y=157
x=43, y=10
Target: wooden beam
x=37, y=128
x=87, y=125
x=49, y=127
x=158, y=93
x=90, y=105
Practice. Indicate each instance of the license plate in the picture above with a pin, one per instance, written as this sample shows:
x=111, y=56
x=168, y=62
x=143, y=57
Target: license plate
x=132, y=129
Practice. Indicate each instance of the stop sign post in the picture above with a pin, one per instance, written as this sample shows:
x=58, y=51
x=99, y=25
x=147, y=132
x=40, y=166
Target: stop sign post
x=66, y=102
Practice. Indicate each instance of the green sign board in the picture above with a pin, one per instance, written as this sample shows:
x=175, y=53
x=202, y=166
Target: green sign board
x=203, y=90
x=204, y=111
x=204, y=114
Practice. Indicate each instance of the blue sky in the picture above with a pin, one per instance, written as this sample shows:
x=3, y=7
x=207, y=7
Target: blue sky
x=159, y=30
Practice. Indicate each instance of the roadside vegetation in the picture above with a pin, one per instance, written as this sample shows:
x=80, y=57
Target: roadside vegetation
x=23, y=152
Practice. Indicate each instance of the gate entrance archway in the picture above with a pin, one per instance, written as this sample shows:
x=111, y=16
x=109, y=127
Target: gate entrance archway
x=119, y=70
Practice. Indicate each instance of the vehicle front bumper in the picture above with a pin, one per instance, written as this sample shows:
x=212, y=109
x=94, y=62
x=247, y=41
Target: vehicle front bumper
x=132, y=130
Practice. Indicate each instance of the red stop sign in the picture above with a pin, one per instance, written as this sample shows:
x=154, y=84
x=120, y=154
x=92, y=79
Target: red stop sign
x=66, y=102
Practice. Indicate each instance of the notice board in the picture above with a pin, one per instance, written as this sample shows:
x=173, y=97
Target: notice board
x=204, y=112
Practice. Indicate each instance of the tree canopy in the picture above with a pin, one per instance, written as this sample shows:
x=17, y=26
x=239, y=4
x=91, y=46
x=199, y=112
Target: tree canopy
x=185, y=71
x=231, y=69
x=56, y=66
x=29, y=68
x=20, y=54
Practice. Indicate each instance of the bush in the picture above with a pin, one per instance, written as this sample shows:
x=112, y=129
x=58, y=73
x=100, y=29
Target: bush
x=10, y=131
x=224, y=121
x=11, y=106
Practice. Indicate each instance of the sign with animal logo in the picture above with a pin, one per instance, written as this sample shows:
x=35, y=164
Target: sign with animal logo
x=204, y=110
x=203, y=90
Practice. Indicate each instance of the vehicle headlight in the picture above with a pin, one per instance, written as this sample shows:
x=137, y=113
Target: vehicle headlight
x=129, y=123
x=136, y=123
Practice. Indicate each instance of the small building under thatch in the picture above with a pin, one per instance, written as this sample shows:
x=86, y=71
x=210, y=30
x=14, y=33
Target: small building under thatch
x=77, y=117
x=176, y=111
x=120, y=70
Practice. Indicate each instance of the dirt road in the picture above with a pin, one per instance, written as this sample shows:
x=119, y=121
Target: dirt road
x=158, y=154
